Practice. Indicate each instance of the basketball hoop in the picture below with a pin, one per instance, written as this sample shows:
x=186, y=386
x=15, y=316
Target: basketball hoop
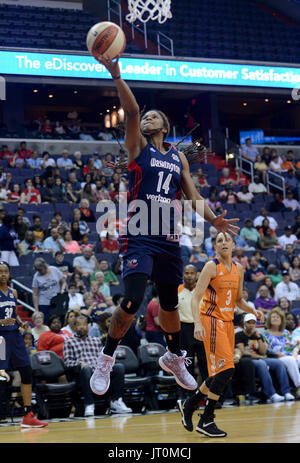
x=143, y=10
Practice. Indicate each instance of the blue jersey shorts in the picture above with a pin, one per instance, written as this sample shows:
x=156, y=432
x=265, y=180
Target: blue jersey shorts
x=160, y=260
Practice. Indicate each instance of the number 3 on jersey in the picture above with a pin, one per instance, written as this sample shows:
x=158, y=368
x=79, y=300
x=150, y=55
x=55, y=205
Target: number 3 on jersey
x=228, y=300
x=166, y=185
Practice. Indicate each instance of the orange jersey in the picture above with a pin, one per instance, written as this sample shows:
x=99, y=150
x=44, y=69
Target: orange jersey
x=220, y=296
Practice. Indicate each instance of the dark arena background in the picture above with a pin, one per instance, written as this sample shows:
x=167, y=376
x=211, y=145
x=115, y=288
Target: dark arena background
x=227, y=75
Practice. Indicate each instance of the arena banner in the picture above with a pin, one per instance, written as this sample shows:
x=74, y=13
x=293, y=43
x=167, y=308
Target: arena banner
x=170, y=71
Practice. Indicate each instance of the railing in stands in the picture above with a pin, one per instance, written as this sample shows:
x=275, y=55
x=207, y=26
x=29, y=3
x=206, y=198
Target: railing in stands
x=114, y=7
x=276, y=181
x=169, y=48
x=25, y=288
x=246, y=166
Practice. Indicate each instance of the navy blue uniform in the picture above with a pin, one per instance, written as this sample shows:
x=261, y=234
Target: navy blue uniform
x=154, y=178
x=16, y=355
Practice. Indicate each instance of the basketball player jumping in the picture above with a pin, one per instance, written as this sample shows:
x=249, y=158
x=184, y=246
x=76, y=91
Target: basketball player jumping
x=159, y=172
x=16, y=356
x=219, y=286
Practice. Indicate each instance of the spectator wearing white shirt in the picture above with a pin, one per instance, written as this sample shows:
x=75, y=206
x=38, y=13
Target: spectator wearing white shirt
x=287, y=238
x=275, y=164
x=290, y=202
x=47, y=161
x=75, y=298
x=257, y=187
x=244, y=196
x=286, y=288
x=264, y=215
x=64, y=162
x=248, y=151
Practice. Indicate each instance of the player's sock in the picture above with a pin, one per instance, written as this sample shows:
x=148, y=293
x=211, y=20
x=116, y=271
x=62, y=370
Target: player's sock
x=27, y=409
x=110, y=345
x=208, y=414
x=173, y=342
x=194, y=400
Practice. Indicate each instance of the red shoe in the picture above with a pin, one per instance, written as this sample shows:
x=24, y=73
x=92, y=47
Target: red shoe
x=29, y=421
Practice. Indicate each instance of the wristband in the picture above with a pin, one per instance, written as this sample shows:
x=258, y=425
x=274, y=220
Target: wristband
x=117, y=77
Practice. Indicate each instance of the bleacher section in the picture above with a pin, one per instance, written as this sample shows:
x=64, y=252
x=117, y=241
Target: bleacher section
x=229, y=29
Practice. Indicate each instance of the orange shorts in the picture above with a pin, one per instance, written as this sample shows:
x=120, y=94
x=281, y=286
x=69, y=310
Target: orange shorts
x=218, y=344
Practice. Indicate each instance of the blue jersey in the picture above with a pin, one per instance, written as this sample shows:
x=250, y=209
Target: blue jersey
x=155, y=179
x=8, y=309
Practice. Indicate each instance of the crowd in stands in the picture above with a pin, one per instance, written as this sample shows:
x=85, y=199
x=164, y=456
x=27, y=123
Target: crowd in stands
x=75, y=270
x=72, y=128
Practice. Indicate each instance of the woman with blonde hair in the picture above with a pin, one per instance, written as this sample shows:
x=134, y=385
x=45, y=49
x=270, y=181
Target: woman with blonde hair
x=39, y=326
x=281, y=346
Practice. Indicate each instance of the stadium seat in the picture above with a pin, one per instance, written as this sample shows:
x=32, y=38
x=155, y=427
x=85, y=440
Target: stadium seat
x=53, y=399
x=136, y=388
x=164, y=391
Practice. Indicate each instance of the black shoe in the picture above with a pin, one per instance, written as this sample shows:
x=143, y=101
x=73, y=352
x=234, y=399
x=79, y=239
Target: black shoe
x=209, y=429
x=187, y=415
x=251, y=399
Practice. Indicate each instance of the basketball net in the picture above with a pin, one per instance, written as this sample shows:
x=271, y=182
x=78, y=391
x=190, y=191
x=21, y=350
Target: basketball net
x=143, y=10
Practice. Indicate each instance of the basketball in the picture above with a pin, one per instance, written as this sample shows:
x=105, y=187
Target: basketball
x=106, y=39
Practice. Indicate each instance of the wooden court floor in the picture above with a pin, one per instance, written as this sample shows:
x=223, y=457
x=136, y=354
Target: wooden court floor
x=272, y=423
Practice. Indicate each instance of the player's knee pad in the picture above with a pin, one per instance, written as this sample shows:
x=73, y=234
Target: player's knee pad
x=130, y=306
x=168, y=297
x=220, y=381
x=135, y=286
x=26, y=375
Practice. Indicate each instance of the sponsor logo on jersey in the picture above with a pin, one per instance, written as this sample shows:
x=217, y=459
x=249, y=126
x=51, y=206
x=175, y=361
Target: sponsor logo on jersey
x=11, y=295
x=221, y=273
x=133, y=263
x=175, y=157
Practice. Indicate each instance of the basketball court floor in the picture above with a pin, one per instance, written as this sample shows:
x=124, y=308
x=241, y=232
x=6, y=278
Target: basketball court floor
x=271, y=423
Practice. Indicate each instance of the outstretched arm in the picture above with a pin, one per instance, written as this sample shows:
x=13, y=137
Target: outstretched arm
x=134, y=140
x=188, y=187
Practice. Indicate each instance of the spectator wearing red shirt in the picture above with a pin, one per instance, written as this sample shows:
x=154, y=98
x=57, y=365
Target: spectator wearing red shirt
x=241, y=178
x=47, y=128
x=5, y=153
x=227, y=178
x=24, y=153
x=87, y=169
x=15, y=160
x=30, y=195
x=154, y=333
x=110, y=244
x=55, y=338
x=15, y=195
